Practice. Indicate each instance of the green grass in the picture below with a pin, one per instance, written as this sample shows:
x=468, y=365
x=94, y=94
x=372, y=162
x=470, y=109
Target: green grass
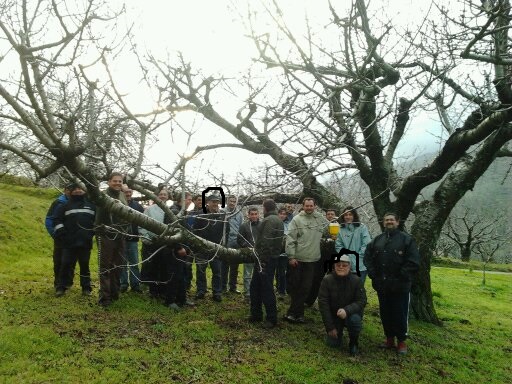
x=44, y=339
x=470, y=265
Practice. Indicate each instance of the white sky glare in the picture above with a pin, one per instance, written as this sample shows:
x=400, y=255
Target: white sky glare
x=211, y=35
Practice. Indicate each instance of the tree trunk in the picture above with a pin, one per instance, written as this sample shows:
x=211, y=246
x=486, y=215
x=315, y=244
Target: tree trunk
x=465, y=253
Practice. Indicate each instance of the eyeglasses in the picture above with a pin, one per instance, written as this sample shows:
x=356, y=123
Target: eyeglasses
x=342, y=264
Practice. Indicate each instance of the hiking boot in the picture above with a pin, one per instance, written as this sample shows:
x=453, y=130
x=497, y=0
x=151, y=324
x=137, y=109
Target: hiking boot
x=401, y=349
x=234, y=290
x=353, y=349
x=136, y=289
x=217, y=298
x=190, y=303
x=294, y=320
x=123, y=288
x=199, y=295
x=59, y=292
x=389, y=343
x=175, y=307
x=86, y=292
x=268, y=325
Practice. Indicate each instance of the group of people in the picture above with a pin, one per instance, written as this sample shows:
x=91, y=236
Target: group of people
x=311, y=256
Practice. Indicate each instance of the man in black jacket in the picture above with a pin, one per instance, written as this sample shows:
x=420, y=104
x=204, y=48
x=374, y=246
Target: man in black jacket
x=74, y=226
x=392, y=260
x=341, y=300
x=214, y=227
x=267, y=247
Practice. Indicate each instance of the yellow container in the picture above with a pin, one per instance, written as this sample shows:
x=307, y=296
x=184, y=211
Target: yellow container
x=334, y=229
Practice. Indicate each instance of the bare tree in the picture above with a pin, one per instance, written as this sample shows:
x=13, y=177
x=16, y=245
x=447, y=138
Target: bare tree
x=474, y=234
x=348, y=105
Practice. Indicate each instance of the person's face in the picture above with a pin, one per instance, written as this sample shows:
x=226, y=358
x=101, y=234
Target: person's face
x=128, y=193
x=254, y=216
x=309, y=206
x=116, y=183
x=282, y=215
x=330, y=215
x=213, y=205
x=390, y=222
x=231, y=203
x=163, y=195
x=289, y=208
x=187, y=201
x=77, y=192
x=198, y=202
x=342, y=268
x=348, y=217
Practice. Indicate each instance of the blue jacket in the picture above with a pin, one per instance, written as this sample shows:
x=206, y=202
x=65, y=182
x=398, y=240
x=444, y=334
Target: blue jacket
x=355, y=239
x=52, y=211
x=74, y=223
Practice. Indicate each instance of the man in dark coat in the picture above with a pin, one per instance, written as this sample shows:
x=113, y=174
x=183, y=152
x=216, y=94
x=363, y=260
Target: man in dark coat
x=392, y=260
x=268, y=248
x=214, y=227
x=74, y=227
x=341, y=301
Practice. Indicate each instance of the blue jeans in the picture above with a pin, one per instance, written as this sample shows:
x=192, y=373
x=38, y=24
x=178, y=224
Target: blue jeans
x=354, y=324
x=248, y=268
x=262, y=291
x=215, y=265
x=131, y=258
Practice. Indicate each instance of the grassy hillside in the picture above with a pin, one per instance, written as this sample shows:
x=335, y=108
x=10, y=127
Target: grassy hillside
x=44, y=339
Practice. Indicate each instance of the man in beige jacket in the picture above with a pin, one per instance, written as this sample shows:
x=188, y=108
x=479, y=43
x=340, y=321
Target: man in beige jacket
x=303, y=250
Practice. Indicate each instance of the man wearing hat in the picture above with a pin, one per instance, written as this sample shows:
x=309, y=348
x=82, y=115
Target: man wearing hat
x=341, y=301
x=57, y=243
x=213, y=227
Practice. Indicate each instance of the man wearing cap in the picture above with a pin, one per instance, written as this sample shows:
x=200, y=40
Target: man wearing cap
x=214, y=227
x=341, y=301
x=392, y=260
x=229, y=269
x=57, y=244
x=74, y=226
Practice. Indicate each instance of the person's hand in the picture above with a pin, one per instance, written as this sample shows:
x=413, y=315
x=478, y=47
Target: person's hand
x=333, y=333
x=341, y=313
x=293, y=262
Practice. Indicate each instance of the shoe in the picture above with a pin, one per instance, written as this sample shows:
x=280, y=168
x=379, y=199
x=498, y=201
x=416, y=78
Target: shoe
x=123, y=289
x=294, y=320
x=252, y=319
x=281, y=296
x=401, y=349
x=389, y=343
x=353, y=349
x=199, y=296
x=268, y=325
x=175, y=307
x=235, y=291
x=105, y=304
x=217, y=298
x=59, y=292
x=190, y=303
x=86, y=292
x=136, y=289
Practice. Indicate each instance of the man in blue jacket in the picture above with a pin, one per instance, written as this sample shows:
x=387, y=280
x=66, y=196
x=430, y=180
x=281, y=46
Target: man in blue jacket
x=74, y=227
x=392, y=260
x=50, y=227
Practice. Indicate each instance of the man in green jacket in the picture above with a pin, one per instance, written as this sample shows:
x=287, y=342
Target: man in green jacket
x=303, y=250
x=341, y=301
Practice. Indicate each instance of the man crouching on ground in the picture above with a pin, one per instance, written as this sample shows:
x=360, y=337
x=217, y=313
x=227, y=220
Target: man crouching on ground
x=341, y=300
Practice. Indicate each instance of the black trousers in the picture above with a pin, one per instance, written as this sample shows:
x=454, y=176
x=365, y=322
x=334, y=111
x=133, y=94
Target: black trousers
x=299, y=280
x=67, y=266
x=229, y=274
x=176, y=289
x=262, y=291
x=394, y=313
x=57, y=264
